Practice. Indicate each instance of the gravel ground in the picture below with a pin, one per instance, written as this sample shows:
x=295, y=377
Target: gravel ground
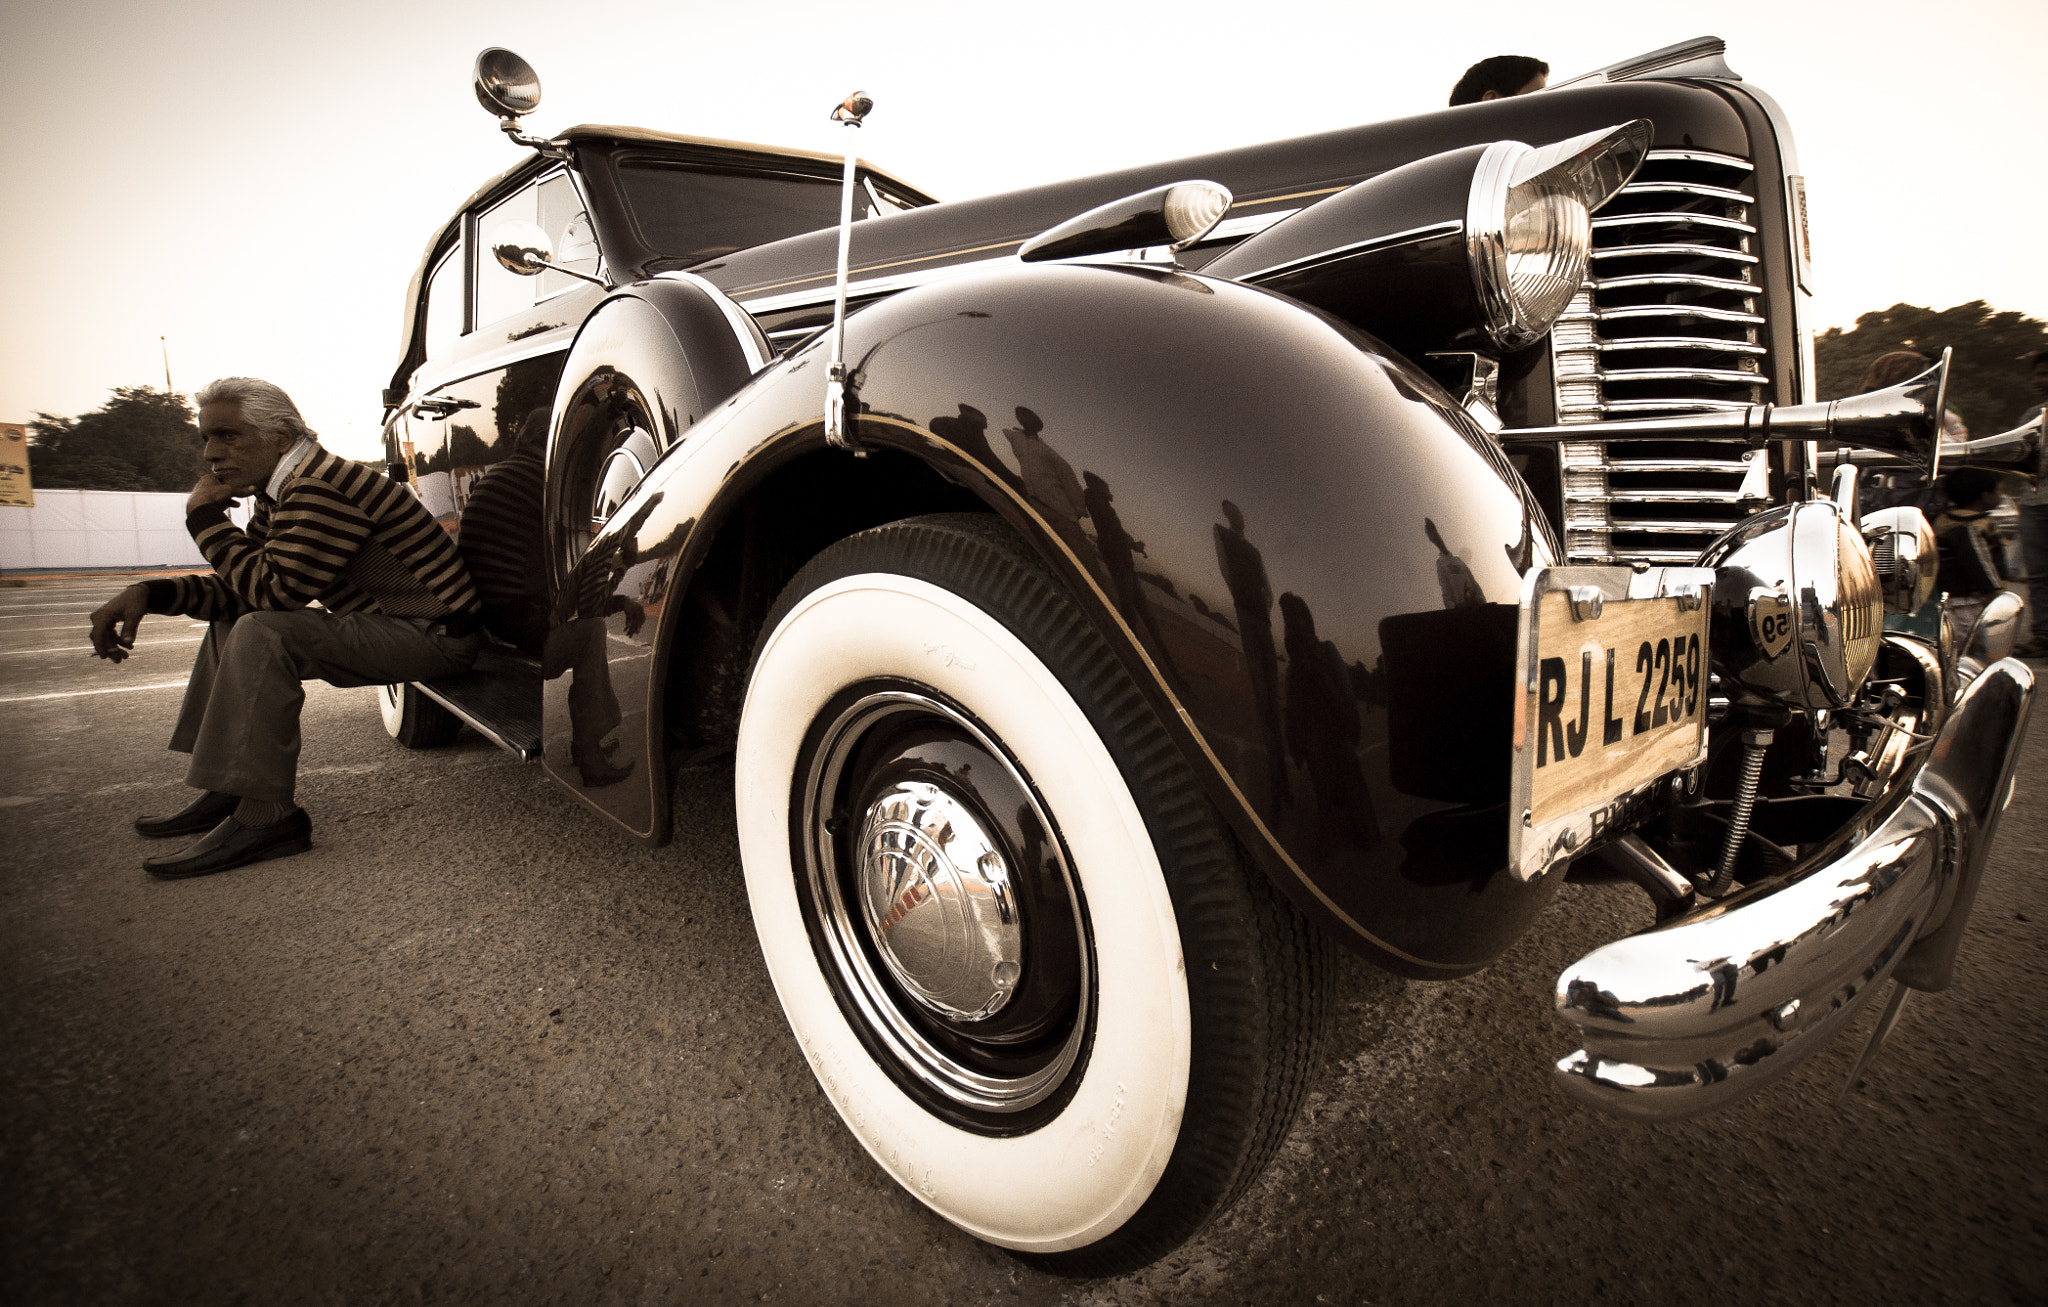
x=475, y=1046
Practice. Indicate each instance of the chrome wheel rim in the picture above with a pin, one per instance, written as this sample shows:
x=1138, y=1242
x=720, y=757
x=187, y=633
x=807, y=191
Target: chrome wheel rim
x=943, y=907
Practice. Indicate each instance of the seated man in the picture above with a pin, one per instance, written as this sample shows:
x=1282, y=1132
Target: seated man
x=396, y=605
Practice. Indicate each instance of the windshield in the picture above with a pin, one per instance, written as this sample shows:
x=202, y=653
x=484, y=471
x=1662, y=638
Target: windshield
x=692, y=213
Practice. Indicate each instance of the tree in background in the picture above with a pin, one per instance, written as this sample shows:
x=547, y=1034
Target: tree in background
x=1988, y=382
x=141, y=439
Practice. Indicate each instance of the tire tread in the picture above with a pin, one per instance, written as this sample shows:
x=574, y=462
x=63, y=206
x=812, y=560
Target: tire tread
x=1257, y=995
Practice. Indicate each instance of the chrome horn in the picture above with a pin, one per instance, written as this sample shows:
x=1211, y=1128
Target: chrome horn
x=2017, y=450
x=1902, y=420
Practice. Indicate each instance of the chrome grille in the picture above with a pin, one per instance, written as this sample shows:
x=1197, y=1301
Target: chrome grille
x=1669, y=320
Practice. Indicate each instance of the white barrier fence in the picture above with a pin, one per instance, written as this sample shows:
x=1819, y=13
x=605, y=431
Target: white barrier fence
x=98, y=528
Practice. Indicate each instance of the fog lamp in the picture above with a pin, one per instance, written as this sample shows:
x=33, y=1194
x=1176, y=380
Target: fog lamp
x=1798, y=610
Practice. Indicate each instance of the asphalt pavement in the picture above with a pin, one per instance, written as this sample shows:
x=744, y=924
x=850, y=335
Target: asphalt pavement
x=478, y=1047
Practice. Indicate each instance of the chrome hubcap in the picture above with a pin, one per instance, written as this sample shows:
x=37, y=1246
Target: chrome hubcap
x=936, y=892
x=944, y=912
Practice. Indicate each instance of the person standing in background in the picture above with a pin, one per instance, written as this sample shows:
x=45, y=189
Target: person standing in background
x=1499, y=78
x=2033, y=507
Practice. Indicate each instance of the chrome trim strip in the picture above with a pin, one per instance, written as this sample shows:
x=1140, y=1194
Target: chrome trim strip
x=1701, y=156
x=1728, y=375
x=1674, y=496
x=873, y=286
x=1670, y=218
x=1671, y=406
x=1700, y=189
x=1709, y=344
x=1744, y=317
x=1356, y=247
x=1678, y=250
x=1719, y=466
x=556, y=341
x=1689, y=1016
x=1665, y=526
x=1746, y=289
x=1682, y=557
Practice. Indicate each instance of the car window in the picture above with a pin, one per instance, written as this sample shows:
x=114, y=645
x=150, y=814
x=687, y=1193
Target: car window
x=690, y=213
x=444, y=303
x=886, y=200
x=569, y=228
x=555, y=207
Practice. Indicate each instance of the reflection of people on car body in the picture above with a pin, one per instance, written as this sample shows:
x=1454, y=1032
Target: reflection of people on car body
x=1453, y=574
x=396, y=604
x=966, y=431
x=1119, y=553
x=1323, y=730
x=577, y=642
x=1048, y=477
x=501, y=539
x=1244, y=575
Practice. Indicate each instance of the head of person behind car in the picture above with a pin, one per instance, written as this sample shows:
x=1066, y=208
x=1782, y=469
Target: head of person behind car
x=1500, y=77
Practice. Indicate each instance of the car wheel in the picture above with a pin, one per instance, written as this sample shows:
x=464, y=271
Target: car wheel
x=414, y=720
x=1021, y=952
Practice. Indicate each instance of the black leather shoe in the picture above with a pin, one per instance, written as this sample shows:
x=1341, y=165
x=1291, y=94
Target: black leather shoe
x=231, y=844
x=195, y=818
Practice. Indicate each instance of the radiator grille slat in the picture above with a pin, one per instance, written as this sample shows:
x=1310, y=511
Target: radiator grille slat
x=1669, y=320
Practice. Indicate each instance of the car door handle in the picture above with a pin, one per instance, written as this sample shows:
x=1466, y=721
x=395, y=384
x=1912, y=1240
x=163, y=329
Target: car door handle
x=442, y=407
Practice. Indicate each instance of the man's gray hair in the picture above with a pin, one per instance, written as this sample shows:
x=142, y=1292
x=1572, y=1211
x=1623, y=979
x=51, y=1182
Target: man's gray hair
x=264, y=407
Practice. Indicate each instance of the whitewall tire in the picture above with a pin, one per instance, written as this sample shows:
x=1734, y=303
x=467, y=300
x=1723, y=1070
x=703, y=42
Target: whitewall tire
x=982, y=876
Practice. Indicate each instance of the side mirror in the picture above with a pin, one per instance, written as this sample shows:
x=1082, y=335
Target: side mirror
x=522, y=248
x=506, y=84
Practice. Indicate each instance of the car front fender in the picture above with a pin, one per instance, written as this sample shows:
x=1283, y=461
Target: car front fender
x=1307, y=553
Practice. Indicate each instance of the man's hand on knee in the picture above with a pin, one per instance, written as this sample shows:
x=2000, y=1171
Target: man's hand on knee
x=115, y=621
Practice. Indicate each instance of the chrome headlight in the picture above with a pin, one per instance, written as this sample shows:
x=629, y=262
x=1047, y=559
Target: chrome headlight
x=1529, y=227
x=1903, y=552
x=1478, y=249
x=1798, y=612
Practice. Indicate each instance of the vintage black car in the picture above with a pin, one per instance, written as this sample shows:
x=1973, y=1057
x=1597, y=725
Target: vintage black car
x=1162, y=575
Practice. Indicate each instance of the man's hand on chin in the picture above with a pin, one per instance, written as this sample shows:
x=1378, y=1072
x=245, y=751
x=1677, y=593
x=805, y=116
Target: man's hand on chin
x=210, y=489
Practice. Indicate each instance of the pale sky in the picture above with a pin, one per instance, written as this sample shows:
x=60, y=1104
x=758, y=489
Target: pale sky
x=255, y=181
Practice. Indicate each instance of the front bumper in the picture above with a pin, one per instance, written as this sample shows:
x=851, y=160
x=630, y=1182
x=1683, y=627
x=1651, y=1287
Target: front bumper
x=1689, y=1016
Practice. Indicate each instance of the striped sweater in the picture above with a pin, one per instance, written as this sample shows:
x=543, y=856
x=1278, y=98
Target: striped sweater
x=339, y=533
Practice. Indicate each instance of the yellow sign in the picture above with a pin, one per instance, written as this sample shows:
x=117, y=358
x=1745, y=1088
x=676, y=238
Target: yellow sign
x=14, y=483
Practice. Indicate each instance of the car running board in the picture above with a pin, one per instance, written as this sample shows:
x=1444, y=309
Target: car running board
x=500, y=696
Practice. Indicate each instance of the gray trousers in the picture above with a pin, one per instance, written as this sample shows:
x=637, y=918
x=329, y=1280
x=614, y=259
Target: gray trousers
x=240, y=721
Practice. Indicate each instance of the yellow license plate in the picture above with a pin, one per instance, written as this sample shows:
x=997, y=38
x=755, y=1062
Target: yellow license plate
x=1619, y=699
